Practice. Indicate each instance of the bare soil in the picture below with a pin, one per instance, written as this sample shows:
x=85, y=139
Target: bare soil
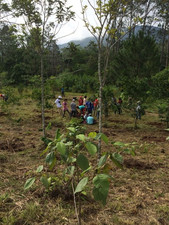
x=139, y=194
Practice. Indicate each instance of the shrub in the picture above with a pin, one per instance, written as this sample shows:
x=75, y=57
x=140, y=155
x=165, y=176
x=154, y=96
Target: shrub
x=161, y=84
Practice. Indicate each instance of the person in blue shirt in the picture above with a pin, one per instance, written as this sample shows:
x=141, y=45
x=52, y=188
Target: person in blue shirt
x=89, y=107
x=90, y=120
x=62, y=92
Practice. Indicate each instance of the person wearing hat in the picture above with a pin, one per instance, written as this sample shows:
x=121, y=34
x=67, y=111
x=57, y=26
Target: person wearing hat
x=73, y=108
x=58, y=104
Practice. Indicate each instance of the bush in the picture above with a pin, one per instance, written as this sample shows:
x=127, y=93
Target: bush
x=161, y=84
x=163, y=111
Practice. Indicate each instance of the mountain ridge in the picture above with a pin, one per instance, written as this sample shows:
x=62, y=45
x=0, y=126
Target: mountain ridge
x=85, y=41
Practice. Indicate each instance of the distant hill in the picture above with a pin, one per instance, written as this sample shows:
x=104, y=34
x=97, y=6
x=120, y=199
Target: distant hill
x=154, y=31
x=83, y=42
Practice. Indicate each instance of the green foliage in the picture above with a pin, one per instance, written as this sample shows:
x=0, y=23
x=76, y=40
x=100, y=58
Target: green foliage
x=12, y=99
x=36, y=95
x=35, y=81
x=53, y=84
x=81, y=185
x=136, y=87
x=20, y=89
x=137, y=61
x=161, y=84
x=3, y=79
x=163, y=112
x=107, y=94
x=29, y=183
x=36, y=92
x=101, y=187
x=78, y=83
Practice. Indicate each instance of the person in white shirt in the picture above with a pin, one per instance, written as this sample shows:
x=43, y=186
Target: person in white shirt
x=138, y=111
x=58, y=104
x=84, y=100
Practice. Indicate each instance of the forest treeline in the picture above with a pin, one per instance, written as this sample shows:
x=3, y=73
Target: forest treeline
x=138, y=64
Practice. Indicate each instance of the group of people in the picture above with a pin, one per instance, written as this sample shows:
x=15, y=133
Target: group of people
x=82, y=108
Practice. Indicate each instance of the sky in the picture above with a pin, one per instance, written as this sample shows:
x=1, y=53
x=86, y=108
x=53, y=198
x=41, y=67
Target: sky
x=74, y=29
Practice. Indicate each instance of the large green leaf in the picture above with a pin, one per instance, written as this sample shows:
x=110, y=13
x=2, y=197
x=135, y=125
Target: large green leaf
x=39, y=169
x=46, y=149
x=101, y=188
x=58, y=134
x=46, y=140
x=82, y=162
x=72, y=129
x=91, y=148
x=71, y=159
x=49, y=126
x=92, y=134
x=52, y=164
x=119, y=144
x=29, y=183
x=102, y=160
x=50, y=158
x=81, y=185
x=100, y=177
x=117, y=159
x=81, y=137
x=61, y=148
x=105, y=138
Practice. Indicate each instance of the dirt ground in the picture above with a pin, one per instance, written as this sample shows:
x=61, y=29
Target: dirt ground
x=139, y=194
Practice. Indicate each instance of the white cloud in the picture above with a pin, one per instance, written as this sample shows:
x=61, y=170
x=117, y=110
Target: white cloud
x=74, y=29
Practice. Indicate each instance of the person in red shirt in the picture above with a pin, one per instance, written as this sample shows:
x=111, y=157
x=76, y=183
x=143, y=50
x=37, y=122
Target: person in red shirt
x=80, y=101
x=119, y=103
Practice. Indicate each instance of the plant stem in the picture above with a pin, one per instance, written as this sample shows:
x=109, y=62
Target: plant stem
x=75, y=205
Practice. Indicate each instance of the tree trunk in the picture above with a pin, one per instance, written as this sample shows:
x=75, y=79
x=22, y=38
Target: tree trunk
x=42, y=96
x=167, y=53
x=100, y=99
x=162, y=48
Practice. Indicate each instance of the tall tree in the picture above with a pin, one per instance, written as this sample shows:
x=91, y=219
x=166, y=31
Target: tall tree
x=163, y=15
x=44, y=17
x=109, y=16
x=8, y=49
x=137, y=61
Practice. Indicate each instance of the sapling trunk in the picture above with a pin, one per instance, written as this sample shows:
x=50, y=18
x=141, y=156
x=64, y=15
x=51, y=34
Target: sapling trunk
x=75, y=204
x=79, y=199
x=100, y=101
